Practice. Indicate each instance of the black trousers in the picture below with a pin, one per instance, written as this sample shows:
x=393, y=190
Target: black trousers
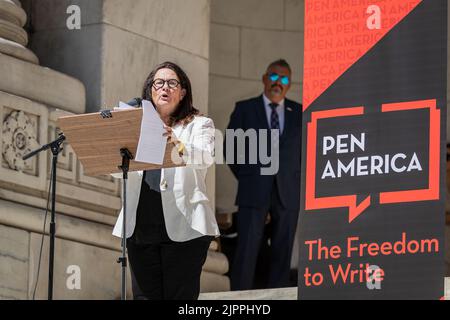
x=250, y=227
x=168, y=270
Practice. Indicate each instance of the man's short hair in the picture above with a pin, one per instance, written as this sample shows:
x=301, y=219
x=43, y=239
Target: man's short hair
x=280, y=63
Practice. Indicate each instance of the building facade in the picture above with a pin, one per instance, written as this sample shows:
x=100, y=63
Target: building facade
x=63, y=57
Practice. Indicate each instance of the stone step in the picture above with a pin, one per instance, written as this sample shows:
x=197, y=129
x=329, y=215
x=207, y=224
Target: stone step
x=273, y=294
x=216, y=262
x=212, y=282
x=260, y=294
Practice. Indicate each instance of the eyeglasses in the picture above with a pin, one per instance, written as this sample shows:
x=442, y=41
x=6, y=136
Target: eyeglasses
x=159, y=83
x=275, y=76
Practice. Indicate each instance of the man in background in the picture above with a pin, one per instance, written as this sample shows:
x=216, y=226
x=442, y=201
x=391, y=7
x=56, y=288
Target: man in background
x=259, y=194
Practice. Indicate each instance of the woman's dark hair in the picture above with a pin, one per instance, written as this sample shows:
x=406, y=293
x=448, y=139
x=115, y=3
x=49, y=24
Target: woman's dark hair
x=185, y=111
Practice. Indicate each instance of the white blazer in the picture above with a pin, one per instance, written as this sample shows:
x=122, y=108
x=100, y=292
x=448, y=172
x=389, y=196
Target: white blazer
x=187, y=210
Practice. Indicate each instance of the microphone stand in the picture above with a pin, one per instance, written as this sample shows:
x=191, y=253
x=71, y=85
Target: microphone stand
x=126, y=157
x=55, y=147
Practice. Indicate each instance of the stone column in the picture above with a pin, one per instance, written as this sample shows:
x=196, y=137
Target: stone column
x=12, y=37
x=24, y=75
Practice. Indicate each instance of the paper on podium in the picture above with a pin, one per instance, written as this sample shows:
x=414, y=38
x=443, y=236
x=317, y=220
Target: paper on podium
x=152, y=143
x=123, y=106
x=97, y=141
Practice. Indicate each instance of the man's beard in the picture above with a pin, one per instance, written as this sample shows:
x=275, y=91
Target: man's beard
x=276, y=90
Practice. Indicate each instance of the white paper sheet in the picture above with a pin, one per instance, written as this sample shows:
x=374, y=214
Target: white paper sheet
x=123, y=106
x=152, y=144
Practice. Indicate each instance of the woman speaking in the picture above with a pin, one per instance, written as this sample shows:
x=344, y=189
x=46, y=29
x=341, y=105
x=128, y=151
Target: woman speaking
x=170, y=221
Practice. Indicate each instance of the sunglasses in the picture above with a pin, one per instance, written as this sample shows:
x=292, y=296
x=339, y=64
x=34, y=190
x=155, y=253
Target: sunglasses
x=275, y=76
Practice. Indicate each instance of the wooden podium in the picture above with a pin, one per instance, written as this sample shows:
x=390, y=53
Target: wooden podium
x=102, y=141
x=97, y=141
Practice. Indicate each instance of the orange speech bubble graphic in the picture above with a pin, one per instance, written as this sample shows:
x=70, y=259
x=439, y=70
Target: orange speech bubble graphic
x=350, y=201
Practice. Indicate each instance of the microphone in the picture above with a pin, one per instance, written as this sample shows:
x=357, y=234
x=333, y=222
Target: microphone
x=135, y=102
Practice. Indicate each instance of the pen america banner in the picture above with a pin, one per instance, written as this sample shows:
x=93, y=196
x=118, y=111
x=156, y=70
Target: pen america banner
x=374, y=142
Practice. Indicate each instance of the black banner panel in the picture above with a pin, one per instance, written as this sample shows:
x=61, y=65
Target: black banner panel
x=374, y=150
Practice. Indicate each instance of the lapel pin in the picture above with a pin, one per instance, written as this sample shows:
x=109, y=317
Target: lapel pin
x=289, y=109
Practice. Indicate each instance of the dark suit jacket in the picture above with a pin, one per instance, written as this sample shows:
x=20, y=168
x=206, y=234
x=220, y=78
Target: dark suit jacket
x=254, y=189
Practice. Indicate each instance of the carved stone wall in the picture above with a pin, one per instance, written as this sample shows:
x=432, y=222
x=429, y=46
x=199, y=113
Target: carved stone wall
x=25, y=126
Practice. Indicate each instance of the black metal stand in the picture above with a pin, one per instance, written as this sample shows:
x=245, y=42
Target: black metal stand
x=126, y=157
x=55, y=147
